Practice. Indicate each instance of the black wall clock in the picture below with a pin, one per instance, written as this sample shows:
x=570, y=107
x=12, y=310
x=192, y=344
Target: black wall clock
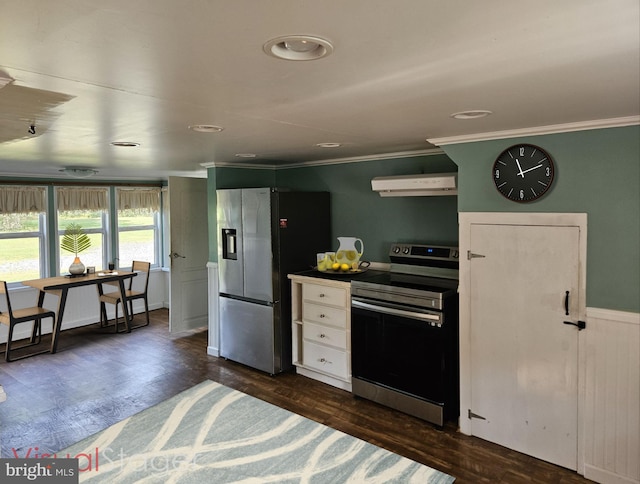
x=523, y=173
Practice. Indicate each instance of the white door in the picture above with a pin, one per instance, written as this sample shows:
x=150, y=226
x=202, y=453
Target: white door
x=188, y=299
x=524, y=359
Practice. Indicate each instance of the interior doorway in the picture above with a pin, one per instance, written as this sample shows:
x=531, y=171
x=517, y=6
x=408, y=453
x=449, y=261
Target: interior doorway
x=522, y=277
x=189, y=253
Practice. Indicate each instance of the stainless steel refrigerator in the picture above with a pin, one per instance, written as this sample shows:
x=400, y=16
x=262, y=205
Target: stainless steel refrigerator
x=263, y=235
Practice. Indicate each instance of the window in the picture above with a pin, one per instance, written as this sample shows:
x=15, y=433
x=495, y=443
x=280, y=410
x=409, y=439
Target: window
x=138, y=226
x=22, y=233
x=93, y=222
x=123, y=224
x=21, y=246
x=88, y=208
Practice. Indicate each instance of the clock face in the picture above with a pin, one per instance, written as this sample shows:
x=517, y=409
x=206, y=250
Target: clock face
x=523, y=173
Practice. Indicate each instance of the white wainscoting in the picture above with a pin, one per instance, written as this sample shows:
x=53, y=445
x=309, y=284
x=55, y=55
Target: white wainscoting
x=213, y=347
x=82, y=306
x=612, y=397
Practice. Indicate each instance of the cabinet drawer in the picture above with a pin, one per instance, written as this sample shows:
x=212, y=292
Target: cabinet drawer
x=333, y=296
x=325, y=335
x=325, y=359
x=324, y=314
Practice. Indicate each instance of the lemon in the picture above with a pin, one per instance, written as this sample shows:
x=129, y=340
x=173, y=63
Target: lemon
x=335, y=266
x=345, y=267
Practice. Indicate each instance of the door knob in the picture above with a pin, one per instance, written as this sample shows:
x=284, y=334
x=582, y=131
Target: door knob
x=580, y=324
x=175, y=255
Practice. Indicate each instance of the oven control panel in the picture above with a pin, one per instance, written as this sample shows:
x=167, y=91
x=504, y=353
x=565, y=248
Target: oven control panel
x=420, y=251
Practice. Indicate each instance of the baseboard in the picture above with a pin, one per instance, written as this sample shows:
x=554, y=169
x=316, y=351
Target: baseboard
x=606, y=477
x=213, y=351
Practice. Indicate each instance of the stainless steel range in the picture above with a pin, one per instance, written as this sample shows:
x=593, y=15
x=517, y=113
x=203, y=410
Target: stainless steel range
x=404, y=333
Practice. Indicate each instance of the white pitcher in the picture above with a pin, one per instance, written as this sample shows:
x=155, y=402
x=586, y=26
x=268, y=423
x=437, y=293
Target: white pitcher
x=347, y=252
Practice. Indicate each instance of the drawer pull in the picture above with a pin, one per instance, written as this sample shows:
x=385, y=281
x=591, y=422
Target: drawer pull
x=322, y=316
x=324, y=360
x=321, y=295
x=322, y=335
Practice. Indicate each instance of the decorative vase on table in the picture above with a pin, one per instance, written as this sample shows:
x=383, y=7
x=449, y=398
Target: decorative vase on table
x=76, y=267
x=75, y=240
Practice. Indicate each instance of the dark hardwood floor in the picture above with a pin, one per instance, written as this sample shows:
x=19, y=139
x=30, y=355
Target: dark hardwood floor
x=98, y=378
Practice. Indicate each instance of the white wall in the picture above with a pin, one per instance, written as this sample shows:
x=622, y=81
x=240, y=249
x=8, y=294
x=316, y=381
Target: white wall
x=213, y=347
x=612, y=397
x=82, y=306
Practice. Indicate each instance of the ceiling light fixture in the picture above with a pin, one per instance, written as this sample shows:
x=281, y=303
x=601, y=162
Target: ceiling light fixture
x=125, y=144
x=245, y=155
x=298, y=47
x=473, y=114
x=205, y=128
x=328, y=145
x=79, y=172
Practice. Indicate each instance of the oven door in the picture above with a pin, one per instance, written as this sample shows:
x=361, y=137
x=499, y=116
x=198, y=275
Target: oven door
x=399, y=347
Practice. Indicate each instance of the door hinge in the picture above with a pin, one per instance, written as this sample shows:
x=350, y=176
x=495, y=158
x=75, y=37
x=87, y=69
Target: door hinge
x=471, y=255
x=475, y=415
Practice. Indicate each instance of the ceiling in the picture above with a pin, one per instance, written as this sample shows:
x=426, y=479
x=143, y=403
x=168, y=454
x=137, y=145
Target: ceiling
x=87, y=73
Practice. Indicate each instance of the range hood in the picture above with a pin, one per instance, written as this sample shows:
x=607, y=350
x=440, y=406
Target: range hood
x=422, y=185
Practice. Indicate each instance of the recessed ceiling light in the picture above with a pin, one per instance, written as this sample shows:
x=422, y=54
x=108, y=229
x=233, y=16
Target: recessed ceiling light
x=79, y=172
x=245, y=155
x=474, y=114
x=328, y=145
x=298, y=47
x=126, y=144
x=205, y=128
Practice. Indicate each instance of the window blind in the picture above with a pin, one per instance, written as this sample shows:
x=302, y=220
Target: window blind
x=82, y=198
x=21, y=199
x=139, y=198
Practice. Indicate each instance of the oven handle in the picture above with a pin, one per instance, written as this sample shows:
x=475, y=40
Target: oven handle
x=356, y=303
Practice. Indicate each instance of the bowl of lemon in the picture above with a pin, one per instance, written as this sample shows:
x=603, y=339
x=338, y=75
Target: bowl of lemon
x=342, y=268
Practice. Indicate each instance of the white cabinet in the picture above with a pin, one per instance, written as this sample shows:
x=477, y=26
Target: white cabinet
x=321, y=329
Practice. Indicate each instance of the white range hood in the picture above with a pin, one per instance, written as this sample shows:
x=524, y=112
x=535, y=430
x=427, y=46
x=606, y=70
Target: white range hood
x=422, y=185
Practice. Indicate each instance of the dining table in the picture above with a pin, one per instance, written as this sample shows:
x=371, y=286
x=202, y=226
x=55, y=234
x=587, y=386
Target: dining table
x=60, y=285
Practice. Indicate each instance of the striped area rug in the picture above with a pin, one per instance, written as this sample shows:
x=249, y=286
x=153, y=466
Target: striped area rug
x=213, y=434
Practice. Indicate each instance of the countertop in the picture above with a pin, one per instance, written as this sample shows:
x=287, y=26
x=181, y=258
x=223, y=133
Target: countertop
x=345, y=277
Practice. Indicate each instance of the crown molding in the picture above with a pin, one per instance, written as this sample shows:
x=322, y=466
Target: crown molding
x=333, y=161
x=538, y=130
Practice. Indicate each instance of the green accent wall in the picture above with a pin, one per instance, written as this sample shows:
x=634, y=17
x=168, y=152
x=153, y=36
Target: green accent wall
x=597, y=173
x=211, y=214
x=244, y=178
x=357, y=211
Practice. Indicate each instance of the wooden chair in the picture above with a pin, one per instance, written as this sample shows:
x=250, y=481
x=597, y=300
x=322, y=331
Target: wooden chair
x=115, y=298
x=12, y=318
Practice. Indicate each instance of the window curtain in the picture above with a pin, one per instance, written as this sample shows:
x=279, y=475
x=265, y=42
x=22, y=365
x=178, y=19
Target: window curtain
x=139, y=198
x=21, y=199
x=82, y=198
